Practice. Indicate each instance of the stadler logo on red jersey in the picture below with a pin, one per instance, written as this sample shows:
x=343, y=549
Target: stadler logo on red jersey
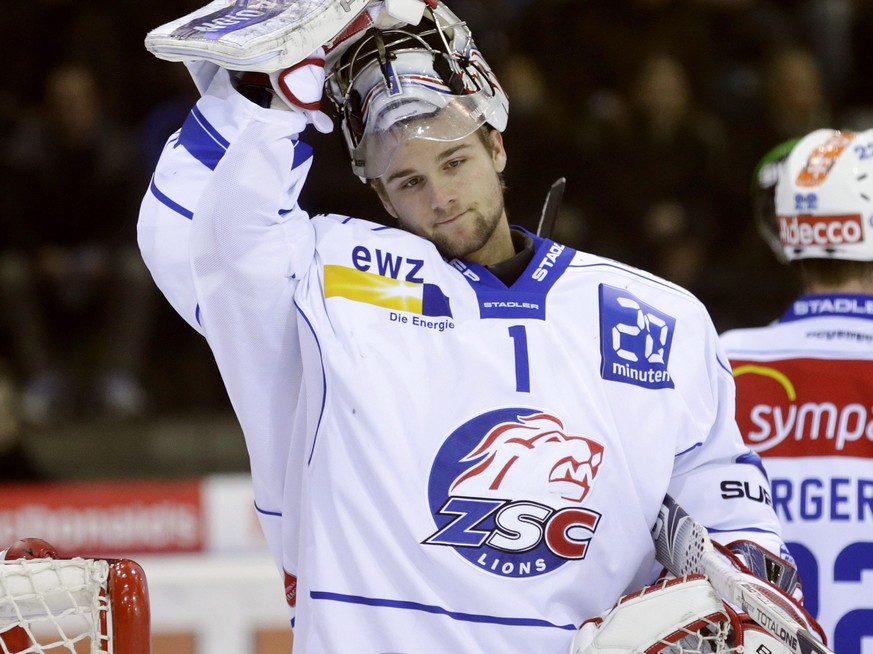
x=820, y=230
x=506, y=490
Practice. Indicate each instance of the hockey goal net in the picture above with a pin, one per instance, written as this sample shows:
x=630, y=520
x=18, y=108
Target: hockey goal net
x=78, y=605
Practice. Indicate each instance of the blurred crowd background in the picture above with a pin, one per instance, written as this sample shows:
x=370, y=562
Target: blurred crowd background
x=655, y=111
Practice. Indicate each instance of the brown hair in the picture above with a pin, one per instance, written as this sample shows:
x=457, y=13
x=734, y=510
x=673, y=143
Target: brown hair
x=833, y=272
x=484, y=134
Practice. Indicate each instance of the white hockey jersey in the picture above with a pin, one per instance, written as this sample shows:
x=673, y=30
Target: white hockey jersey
x=805, y=404
x=441, y=463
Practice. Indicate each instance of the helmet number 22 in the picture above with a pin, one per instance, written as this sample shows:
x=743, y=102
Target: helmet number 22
x=864, y=151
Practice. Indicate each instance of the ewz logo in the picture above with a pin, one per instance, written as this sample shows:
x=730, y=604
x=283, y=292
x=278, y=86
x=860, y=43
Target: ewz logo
x=506, y=490
x=635, y=340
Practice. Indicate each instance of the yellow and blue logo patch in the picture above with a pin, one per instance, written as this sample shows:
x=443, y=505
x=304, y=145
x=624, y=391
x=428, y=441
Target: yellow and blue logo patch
x=386, y=292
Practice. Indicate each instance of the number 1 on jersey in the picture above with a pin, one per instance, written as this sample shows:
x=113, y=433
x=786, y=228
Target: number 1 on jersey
x=522, y=367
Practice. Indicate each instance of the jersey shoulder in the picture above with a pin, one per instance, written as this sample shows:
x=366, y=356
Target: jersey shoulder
x=828, y=337
x=640, y=283
x=762, y=338
x=353, y=228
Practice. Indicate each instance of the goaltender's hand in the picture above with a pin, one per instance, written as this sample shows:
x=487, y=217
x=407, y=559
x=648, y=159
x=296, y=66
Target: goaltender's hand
x=297, y=88
x=301, y=86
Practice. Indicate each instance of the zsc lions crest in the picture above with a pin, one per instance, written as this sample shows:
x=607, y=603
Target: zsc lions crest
x=506, y=492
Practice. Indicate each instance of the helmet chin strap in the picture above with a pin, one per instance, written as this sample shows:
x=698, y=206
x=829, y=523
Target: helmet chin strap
x=385, y=57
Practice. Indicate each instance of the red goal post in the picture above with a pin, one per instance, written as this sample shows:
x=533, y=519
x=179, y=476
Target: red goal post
x=55, y=605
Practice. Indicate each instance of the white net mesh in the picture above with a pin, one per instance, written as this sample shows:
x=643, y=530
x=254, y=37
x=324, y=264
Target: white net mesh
x=714, y=637
x=54, y=606
x=688, y=622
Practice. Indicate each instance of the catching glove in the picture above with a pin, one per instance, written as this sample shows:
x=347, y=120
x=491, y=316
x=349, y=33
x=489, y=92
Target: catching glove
x=679, y=615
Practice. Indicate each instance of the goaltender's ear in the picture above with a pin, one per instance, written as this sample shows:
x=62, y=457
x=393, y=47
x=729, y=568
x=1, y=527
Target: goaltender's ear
x=498, y=152
x=379, y=187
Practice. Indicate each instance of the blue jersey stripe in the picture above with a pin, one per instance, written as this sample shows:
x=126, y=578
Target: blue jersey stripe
x=725, y=366
x=265, y=512
x=324, y=378
x=640, y=274
x=207, y=126
x=302, y=153
x=437, y=610
x=756, y=530
x=163, y=199
x=752, y=458
x=693, y=447
x=202, y=140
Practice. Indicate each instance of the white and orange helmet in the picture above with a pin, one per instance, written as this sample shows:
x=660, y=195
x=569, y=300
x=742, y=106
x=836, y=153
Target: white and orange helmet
x=824, y=198
x=402, y=82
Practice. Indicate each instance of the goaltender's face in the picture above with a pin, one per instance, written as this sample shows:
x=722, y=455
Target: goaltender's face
x=451, y=194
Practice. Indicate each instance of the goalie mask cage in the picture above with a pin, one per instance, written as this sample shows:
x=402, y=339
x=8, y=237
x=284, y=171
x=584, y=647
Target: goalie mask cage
x=75, y=605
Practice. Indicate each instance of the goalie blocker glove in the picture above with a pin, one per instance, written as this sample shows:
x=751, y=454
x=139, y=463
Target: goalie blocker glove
x=267, y=36
x=263, y=37
x=278, y=48
x=775, y=577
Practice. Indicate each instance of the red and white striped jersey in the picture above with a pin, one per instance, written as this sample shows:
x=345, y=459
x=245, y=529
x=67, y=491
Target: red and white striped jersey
x=805, y=404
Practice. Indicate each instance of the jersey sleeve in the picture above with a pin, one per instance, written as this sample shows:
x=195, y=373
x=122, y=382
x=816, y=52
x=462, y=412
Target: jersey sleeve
x=164, y=226
x=185, y=172
x=716, y=477
x=226, y=242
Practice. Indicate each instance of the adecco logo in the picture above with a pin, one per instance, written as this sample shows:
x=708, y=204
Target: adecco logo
x=820, y=230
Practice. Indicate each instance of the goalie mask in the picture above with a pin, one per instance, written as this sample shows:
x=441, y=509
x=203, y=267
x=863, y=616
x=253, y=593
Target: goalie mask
x=426, y=81
x=824, y=198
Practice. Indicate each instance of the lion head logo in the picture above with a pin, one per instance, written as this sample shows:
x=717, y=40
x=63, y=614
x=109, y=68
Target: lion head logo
x=531, y=457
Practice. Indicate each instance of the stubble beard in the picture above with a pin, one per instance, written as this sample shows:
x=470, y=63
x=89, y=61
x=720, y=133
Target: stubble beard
x=483, y=228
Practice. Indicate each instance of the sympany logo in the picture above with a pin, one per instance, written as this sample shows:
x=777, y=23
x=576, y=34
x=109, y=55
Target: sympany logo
x=829, y=424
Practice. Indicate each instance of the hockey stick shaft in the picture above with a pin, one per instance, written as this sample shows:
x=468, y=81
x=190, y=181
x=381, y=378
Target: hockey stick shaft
x=683, y=546
x=550, y=208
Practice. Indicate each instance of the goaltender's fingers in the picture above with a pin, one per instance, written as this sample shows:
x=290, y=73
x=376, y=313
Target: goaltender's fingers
x=301, y=86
